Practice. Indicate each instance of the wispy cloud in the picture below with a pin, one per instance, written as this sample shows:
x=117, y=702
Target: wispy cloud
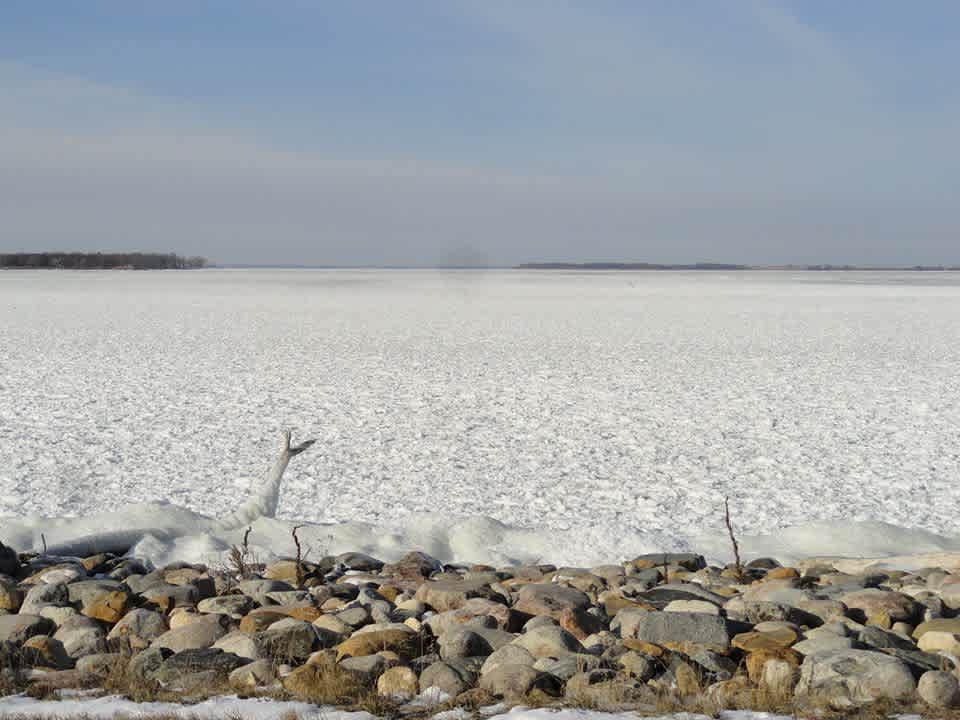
x=637, y=132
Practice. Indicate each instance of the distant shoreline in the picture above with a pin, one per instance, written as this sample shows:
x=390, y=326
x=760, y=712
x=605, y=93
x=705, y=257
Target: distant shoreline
x=713, y=267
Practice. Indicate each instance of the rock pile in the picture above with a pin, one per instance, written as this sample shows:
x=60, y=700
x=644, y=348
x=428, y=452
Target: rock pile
x=617, y=635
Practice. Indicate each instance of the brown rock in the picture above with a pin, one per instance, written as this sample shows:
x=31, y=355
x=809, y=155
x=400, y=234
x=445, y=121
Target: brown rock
x=782, y=637
x=758, y=659
x=550, y=599
x=404, y=643
x=580, y=623
x=443, y=595
x=261, y=618
x=108, y=607
x=10, y=595
x=782, y=573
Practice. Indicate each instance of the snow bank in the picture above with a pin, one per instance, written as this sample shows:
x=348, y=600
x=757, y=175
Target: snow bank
x=111, y=706
x=164, y=533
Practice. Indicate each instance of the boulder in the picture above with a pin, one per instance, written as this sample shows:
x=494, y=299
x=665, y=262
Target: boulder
x=443, y=595
x=472, y=642
x=415, y=566
x=108, y=607
x=448, y=678
x=514, y=682
x=257, y=673
x=197, y=667
x=507, y=655
x=549, y=599
x=548, y=641
x=398, y=683
x=18, y=628
x=399, y=639
x=198, y=635
x=82, y=636
x=873, y=603
x=137, y=629
x=46, y=652
x=289, y=639
x=854, y=677
x=662, y=628
x=233, y=606
x=939, y=689
x=44, y=594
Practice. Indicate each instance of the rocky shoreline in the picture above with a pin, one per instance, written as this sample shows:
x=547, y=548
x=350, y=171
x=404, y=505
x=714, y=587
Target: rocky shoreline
x=656, y=633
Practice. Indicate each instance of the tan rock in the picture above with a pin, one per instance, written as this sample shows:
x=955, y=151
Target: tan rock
x=757, y=660
x=938, y=641
x=108, y=607
x=10, y=595
x=399, y=683
x=405, y=643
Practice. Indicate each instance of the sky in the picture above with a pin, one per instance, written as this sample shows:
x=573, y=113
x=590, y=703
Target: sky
x=429, y=132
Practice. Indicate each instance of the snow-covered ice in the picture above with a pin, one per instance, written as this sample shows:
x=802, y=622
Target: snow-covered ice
x=587, y=415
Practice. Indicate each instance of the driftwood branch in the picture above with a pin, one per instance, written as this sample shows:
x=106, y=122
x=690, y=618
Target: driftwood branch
x=733, y=538
x=296, y=541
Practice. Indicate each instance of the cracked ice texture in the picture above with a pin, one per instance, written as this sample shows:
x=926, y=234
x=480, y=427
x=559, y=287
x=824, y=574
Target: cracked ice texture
x=624, y=402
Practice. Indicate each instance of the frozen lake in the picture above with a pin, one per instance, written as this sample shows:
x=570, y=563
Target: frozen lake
x=606, y=403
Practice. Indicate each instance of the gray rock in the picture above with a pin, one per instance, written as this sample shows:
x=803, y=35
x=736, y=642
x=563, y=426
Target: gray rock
x=195, y=667
x=17, y=628
x=179, y=595
x=824, y=643
x=258, y=589
x=539, y=621
x=44, y=594
x=939, y=689
x=660, y=628
x=855, y=677
x=875, y=637
x=82, y=636
x=355, y=617
x=253, y=675
x=289, y=640
x=549, y=641
x=197, y=635
x=689, y=561
x=662, y=595
x=144, y=665
x=81, y=593
x=637, y=665
x=514, y=682
x=507, y=655
x=99, y=663
x=137, y=629
x=472, y=642
x=564, y=668
x=368, y=667
x=550, y=599
x=358, y=561
x=241, y=644
x=234, y=606
x=447, y=678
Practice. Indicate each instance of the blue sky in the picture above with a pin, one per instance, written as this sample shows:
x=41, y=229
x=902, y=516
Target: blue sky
x=496, y=131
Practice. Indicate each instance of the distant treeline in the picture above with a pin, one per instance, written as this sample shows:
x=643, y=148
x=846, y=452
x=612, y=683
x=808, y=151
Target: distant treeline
x=629, y=266
x=101, y=261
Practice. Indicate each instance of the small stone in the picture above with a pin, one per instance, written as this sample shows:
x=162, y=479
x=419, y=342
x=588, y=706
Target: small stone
x=550, y=599
x=234, y=606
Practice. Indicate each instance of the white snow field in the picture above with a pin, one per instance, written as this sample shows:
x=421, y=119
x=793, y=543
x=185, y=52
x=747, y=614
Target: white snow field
x=489, y=416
